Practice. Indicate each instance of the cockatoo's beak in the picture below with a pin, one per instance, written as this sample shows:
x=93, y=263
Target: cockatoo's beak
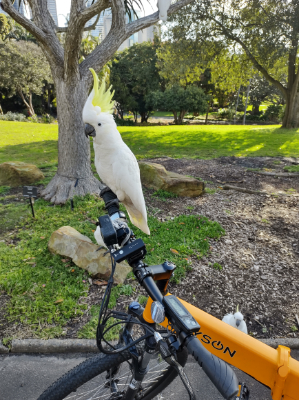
x=238, y=321
x=89, y=130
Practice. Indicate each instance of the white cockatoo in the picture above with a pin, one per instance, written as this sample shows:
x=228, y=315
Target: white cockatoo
x=114, y=161
x=163, y=6
x=236, y=320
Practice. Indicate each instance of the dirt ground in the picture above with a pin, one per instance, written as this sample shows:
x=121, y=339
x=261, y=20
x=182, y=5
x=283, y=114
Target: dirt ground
x=259, y=254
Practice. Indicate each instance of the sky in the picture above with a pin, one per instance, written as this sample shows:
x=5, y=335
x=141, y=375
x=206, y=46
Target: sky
x=63, y=7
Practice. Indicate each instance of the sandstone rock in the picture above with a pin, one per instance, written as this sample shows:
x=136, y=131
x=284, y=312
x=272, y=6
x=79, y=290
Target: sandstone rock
x=18, y=173
x=68, y=242
x=157, y=177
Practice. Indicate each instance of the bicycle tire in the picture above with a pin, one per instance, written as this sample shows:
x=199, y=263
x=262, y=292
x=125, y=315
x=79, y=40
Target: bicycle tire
x=93, y=367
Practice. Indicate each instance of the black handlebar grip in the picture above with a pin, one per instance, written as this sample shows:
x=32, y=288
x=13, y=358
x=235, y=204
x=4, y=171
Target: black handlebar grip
x=110, y=199
x=220, y=373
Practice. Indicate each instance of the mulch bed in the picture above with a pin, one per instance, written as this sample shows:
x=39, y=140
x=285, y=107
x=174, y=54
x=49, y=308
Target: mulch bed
x=259, y=254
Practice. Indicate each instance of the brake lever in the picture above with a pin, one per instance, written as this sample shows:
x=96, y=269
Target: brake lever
x=169, y=358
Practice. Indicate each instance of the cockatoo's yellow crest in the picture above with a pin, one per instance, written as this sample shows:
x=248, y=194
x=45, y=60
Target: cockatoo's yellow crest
x=102, y=98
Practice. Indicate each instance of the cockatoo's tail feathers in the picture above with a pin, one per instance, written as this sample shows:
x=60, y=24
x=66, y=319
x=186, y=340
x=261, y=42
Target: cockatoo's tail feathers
x=102, y=98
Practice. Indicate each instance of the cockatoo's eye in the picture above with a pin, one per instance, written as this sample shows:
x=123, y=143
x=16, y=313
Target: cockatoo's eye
x=99, y=124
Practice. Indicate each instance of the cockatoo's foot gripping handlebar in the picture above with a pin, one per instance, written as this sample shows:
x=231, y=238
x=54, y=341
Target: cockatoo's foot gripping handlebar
x=114, y=229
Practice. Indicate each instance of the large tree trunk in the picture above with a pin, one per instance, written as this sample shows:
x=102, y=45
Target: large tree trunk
x=74, y=175
x=256, y=109
x=291, y=116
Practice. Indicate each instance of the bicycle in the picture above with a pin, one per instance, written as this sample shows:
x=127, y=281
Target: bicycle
x=142, y=365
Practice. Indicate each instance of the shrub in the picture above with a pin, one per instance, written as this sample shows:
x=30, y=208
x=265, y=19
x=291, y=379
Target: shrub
x=123, y=122
x=47, y=119
x=227, y=113
x=33, y=119
x=10, y=116
x=273, y=113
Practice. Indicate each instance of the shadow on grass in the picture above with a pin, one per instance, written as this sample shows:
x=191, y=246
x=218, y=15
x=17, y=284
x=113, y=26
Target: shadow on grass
x=38, y=153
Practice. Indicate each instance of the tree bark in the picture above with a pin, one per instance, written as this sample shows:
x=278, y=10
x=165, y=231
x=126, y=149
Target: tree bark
x=175, y=117
x=74, y=175
x=28, y=103
x=181, y=117
x=256, y=109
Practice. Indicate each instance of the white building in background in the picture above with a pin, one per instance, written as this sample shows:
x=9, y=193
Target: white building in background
x=53, y=10
x=104, y=24
x=18, y=5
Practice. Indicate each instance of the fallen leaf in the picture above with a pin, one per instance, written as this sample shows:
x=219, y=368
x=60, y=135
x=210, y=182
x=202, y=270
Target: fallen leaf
x=93, y=230
x=153, y=249
x=90, y=281
x=174, y=251
x=42, y=237
x=181, y=223
x=64, y=260
x=58, y=301
x=72, y=270
x=100, y=283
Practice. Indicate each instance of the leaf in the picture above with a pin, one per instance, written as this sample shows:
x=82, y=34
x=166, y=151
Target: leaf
x=100, y=283
x=64, y=260
x=181, y=223
x=42, y=237
x=174, y=251
x=58, y=301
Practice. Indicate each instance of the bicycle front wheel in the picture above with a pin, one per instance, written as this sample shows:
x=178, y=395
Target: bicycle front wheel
x=91, y=380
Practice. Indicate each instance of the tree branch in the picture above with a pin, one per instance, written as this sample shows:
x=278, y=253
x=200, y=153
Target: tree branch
x=118, y=34
x=41, y=29
x=6, y=5
x=145, y=22
x=60, y=29
x=257, y=65
x=79, y=15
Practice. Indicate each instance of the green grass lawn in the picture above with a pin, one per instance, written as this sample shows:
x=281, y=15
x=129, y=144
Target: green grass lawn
x=37, y=143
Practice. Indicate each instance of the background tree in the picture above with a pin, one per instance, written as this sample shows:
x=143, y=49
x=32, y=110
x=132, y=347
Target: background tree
x=205, y=62
x=179, y=101
x=266, y=30
x=73, y=79
x=260, y=91
x=23, y=70
x=5, y=26
x=134, y=74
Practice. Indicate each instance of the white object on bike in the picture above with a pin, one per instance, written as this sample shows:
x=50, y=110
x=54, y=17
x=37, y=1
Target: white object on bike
x=114, y=161
x=236, y=320
x=163, y=6
x=99, y=238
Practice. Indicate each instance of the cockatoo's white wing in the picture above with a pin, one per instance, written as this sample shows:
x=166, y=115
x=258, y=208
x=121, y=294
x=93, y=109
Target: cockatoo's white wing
x=228, y=319
x=125, y=170
x=163, y=6
x=243, y=327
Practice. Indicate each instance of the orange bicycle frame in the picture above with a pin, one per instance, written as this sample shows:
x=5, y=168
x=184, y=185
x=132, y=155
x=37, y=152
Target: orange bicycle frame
x=274, y=368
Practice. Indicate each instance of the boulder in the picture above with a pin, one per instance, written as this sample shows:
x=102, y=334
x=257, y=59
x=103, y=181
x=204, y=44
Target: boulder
x=18, y=173
x=68, y=242
x=157, y=177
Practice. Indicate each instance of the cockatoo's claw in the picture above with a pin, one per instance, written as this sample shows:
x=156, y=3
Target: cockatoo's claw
x=100, y=248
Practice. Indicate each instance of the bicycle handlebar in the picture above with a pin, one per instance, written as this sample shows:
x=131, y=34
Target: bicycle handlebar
x=219, y=372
